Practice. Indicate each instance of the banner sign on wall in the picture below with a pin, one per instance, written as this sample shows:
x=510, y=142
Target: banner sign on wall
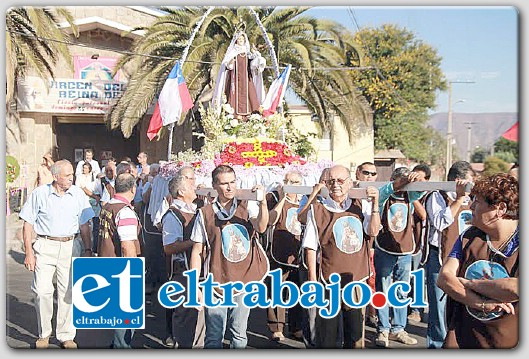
x=68, y=95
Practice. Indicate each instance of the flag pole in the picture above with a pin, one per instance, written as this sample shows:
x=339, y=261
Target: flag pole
x=170, y=145
x=182, y=60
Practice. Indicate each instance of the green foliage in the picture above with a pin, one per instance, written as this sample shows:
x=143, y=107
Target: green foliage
x=479, y=155
x=408, y=134
x=508, y=157
x=400, y=89
x=299, y=143
x=506, y=149
x=495, y=165
x=12, y=169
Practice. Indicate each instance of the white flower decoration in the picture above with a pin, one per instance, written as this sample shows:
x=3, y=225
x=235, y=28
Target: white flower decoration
x=234, y=122
x=255, y=116
x=227, y=108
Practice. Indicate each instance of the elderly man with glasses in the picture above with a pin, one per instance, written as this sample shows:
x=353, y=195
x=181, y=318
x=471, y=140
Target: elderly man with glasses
x=335, y=242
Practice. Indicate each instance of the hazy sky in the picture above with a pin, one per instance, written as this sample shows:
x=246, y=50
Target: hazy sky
x=476, y=43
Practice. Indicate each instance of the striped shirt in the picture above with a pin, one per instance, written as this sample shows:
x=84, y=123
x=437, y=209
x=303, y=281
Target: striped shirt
x=126, y=220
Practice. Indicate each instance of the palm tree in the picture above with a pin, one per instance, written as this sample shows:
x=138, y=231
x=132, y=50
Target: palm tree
x=308, y=44
x=30, y=32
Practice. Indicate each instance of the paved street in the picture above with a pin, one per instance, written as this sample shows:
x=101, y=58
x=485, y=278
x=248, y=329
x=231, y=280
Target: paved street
x=22, y=327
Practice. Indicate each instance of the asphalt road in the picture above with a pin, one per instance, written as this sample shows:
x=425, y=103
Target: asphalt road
x=21, y=325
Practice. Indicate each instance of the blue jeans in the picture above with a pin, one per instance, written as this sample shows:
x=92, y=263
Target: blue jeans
x=415, y=264
x=122, y=339
x=235, y=318
x=390, y=268
x=436, y=332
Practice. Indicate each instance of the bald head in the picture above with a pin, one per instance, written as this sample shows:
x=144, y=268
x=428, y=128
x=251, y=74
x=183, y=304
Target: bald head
x=339, y=183
x=339, y=170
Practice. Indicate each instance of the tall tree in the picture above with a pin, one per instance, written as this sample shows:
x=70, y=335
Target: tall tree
x=308, y=44
x=400, y=88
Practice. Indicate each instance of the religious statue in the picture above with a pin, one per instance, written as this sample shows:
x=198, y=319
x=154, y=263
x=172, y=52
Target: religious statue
x=240, y=78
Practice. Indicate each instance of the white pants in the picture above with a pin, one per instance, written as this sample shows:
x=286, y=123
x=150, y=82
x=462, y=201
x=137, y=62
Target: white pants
x=54, y=257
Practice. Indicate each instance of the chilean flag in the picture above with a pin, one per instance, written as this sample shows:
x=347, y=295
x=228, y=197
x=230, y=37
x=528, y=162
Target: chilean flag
x=276, y=92
x=174, y=98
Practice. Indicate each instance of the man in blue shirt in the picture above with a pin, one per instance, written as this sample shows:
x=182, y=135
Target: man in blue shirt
x=56, y=212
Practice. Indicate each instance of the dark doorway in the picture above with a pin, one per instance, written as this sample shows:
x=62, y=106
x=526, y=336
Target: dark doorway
x=72, y=136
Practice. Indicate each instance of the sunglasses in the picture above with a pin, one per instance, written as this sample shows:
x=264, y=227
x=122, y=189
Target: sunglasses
x=367, y=173
x=339, y=181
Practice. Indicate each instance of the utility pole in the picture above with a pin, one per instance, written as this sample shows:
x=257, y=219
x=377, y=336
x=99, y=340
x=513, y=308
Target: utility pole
x=449, y=127
x=469, y=138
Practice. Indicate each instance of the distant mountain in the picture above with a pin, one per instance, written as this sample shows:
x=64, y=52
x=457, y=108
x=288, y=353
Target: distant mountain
x=486, y=128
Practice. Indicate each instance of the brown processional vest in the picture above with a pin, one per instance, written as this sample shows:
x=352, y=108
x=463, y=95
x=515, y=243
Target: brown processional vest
x=233, y=250
x=396, y=235
x=109, y=243
x=285, y=242
x=450, y=234
x=187, y=220
x=344, y=248
x=471, y=328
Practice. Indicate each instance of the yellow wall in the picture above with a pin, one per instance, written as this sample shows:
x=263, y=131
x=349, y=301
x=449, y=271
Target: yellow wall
x=342, y=150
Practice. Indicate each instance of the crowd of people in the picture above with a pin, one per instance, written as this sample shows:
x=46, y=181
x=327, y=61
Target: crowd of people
x=460, y=238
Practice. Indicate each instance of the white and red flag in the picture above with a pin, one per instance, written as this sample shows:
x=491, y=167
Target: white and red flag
x=276, y=93
x=173, y=100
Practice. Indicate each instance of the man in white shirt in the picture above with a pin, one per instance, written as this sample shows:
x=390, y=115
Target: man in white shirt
x=119, y=237
x=177, y=226
x=234, y=224
x=104, y=187
x=335, y=231
x=89, y=157
x=446, y=219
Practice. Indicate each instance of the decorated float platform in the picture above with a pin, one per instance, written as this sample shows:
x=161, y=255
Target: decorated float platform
x=256, y=161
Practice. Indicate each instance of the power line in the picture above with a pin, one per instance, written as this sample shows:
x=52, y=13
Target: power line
x=130, y=53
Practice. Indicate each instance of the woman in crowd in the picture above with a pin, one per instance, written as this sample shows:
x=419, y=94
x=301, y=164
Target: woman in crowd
x=43, y=172
x=481, y=273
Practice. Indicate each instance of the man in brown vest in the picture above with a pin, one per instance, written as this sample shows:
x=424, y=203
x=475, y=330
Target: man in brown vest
x=393, y=249
x=335, y=232
x=177, y=226
x=449, y=215
x=229, y=229
x=284, y=249
x=119, y=236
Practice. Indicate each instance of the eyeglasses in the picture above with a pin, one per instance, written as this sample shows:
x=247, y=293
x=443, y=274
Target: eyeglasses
x=339, y=181
x=367, y=173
